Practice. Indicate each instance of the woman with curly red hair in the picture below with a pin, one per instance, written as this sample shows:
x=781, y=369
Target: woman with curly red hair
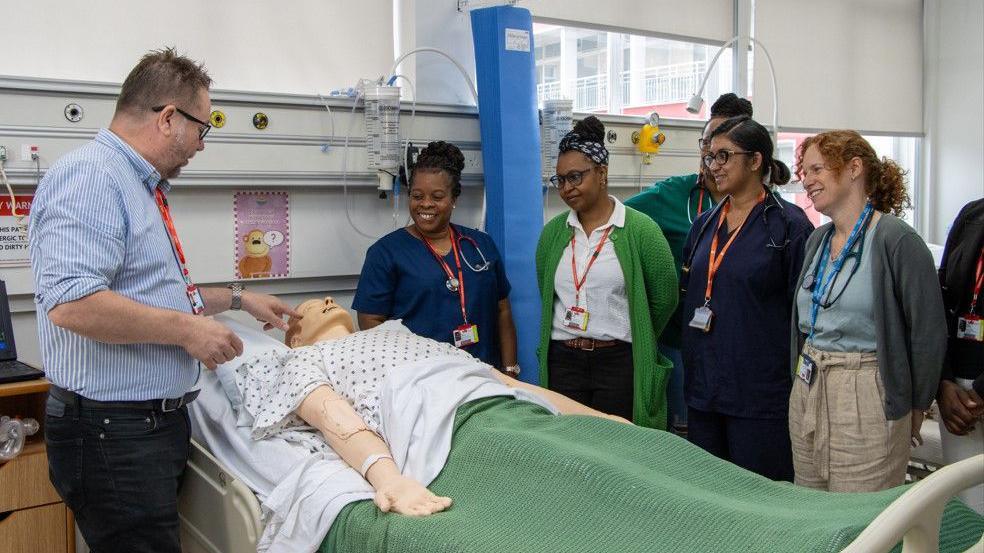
x=868, y=333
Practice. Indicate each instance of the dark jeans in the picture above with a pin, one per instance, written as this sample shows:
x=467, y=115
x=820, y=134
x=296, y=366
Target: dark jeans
x=119, y=471
x=601, y=379
x=759, y=445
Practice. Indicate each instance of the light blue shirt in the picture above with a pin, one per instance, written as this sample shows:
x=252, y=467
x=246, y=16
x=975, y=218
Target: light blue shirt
x=95, y=226
x=849, y=324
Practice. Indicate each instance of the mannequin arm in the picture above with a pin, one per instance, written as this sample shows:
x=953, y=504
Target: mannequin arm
x=564, y=404
x=366, y=452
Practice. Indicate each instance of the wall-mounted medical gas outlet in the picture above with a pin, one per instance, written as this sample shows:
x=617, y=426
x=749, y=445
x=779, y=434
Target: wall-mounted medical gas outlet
x=3, y=154
x=74, y=113
x=29, y=152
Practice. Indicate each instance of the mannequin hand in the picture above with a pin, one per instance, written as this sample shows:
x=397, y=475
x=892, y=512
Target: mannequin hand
x=406, y=496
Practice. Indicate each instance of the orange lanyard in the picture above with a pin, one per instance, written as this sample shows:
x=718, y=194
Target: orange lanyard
x=978, y=281
x=700, y=202
x=447, y=268
x=579, y=284
x=715, y=260
x=172, y=234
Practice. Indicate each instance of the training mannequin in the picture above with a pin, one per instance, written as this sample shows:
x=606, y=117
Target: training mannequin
x=355, y=441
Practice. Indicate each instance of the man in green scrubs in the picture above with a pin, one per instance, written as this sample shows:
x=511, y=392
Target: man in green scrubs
x=674, y=204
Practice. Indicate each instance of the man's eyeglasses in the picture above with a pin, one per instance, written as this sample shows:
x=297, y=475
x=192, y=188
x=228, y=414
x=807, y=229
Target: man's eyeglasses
x=722, y=157
x=574, y=178
x=202, y=130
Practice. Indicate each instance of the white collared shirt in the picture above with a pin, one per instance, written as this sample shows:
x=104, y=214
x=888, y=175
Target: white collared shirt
x=603, y=294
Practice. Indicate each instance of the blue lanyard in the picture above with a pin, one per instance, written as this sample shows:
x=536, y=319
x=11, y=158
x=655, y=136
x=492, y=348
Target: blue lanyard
x=820, y=283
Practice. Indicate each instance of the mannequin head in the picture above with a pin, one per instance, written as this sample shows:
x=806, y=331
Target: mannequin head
x=320, y=320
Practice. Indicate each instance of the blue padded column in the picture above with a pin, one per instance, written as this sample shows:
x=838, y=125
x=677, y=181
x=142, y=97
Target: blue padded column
x=507, y=114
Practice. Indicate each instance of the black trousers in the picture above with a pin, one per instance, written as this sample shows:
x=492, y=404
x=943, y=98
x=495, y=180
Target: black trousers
x=601, y=379
x=119, y=471
x=759, y=445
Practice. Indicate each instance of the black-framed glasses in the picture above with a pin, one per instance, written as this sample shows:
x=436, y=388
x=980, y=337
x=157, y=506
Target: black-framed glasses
x=723, y=157
x=202, y=130
x=574, y=178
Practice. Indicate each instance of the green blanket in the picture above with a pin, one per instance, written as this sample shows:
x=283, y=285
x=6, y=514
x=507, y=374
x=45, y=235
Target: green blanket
x=525, y=481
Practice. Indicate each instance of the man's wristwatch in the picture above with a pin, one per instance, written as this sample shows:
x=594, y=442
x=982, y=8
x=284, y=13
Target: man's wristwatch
x=237, y=296
x=512, y=370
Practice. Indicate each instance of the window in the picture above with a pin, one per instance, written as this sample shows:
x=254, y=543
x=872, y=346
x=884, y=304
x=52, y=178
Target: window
x=901, y=149
x=607, y=72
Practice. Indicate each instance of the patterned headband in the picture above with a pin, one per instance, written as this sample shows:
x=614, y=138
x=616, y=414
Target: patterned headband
x=595, y=151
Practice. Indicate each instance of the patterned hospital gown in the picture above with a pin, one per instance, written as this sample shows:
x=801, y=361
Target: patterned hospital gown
x=274, y=384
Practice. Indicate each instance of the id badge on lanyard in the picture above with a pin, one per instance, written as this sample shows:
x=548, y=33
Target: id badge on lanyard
x=194, y=294
x=576, y=317
x=466, y=334
x=970, y=325
x=703, y=316
x=804, y=369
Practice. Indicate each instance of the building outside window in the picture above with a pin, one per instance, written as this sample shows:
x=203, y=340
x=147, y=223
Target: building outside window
x=618, y=73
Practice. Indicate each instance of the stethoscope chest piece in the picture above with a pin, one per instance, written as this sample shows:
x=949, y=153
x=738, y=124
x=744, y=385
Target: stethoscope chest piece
x=452, y=284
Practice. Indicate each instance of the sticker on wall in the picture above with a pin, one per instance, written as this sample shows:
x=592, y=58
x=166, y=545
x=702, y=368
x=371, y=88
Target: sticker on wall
x=262, y=234
x=13, y=238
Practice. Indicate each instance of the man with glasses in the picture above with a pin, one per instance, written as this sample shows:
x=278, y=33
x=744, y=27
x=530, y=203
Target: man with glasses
x=122, y=325
x=674, y=203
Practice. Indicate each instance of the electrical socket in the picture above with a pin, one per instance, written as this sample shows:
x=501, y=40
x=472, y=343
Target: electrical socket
x=3, y=153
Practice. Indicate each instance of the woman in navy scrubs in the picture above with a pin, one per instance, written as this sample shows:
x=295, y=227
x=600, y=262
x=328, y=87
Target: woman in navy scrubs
x=445, y=281
x=739, y=277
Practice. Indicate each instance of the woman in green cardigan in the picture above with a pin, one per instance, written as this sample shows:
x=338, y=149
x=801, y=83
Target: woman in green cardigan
x=608, y=287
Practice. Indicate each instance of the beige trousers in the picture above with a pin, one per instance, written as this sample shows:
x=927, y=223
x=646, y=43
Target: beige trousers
x=842, y=441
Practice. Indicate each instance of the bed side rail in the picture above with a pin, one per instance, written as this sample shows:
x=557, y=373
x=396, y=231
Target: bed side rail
x=218, y=512
x=914, y=518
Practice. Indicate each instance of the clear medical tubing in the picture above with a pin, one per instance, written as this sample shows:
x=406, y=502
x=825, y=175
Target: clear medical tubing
x=13, y=432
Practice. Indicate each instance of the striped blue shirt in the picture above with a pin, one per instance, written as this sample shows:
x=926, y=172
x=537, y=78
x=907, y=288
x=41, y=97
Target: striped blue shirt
x=95, y=226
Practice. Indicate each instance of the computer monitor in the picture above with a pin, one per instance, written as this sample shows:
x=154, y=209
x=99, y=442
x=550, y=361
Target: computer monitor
x=8, y=350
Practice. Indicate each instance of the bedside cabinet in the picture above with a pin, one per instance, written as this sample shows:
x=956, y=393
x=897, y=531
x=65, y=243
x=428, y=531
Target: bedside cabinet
x=33, y=518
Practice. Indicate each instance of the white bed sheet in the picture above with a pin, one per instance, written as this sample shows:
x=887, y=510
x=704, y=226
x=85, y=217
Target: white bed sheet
x=302, y=492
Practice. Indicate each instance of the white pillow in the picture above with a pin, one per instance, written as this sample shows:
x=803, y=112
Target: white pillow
x=255, y=342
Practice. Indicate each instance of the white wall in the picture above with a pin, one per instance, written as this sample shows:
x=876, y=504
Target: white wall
x=954, y=60
x=297, y=46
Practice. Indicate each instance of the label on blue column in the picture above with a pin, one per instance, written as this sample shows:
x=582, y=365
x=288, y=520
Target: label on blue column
x=518, y=40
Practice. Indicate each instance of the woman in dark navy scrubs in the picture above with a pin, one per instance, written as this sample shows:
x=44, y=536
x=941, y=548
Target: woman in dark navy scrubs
x=742, y=262
x=445, y=281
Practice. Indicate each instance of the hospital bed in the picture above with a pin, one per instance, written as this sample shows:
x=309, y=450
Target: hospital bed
x=220, y=513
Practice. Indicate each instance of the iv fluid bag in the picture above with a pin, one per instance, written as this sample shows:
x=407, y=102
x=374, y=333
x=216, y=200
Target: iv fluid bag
x=382, y=115
x=558, y=118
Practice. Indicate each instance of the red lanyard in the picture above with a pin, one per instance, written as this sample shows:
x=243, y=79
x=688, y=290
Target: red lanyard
x=579, y=284
x=715, y=260
x=172, y=233
x=978, y=280
x=447, y=268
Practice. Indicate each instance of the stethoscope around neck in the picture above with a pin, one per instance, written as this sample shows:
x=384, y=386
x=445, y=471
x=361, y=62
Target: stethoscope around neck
x=478, y=267
x=483, y=265
x=715, y=213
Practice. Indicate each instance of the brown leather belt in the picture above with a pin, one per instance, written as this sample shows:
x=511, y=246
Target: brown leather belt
x=590, y=344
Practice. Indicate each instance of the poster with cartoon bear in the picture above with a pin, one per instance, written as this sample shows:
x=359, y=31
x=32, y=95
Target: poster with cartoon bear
x=262, y=234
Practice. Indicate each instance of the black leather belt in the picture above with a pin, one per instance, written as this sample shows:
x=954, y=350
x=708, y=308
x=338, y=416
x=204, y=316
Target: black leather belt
x=162, y=405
